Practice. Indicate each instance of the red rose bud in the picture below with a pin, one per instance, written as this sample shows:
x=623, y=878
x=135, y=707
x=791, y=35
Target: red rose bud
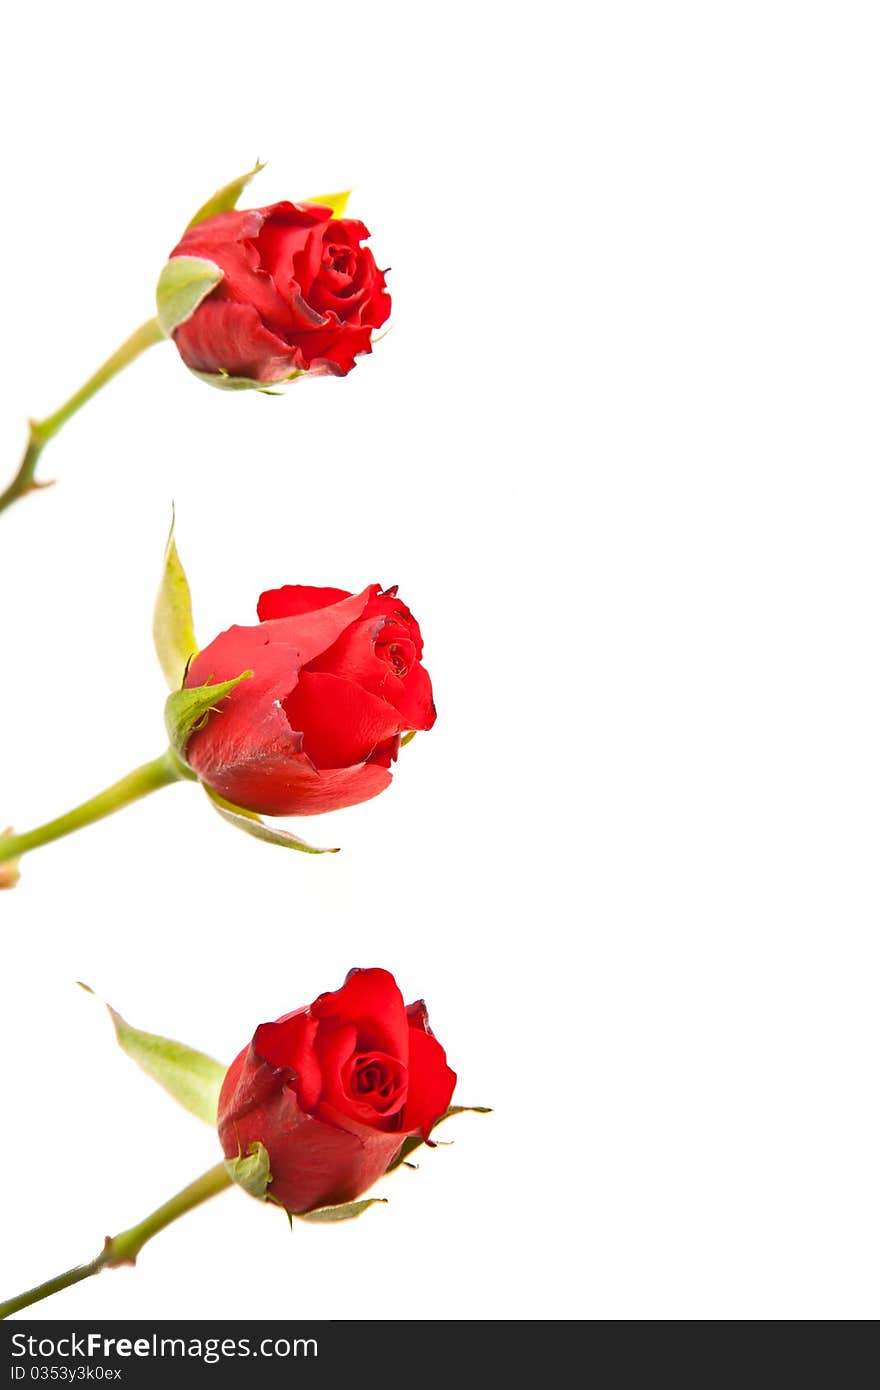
x=337, y=678
x=299, y=293
x=332, y=1090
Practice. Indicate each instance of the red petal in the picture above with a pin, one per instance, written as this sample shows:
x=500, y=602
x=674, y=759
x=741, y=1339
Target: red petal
x=416, y=701
x=386, y=604
x=228, y=241
x=293, y=599
x=305, y=636
x=364, y=654
x=431, y=1083
x=289, y=242
x=333, y=1160
x=417, y=1016
x=337, y=1046
x=360, y=298
x=249, y=736
x=284, y=785
x=314, y=630
x=333, y=348
x=334, y=1045
x=386, y=753
x=289, y=1045
x=346, y=230
x=374, y=1086
x=371, y=1001
x=223, y=336
x=341, y=723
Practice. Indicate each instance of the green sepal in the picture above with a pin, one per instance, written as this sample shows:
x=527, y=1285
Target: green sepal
x=190, y=1077
x=224, y=382
x=346, y=1211
x=173, y=633
x=251, y=824
x=225, y=199
x=415, y=1142
x=183, y=284
x=251, y=1170
x=336, y=202
x=190, y=709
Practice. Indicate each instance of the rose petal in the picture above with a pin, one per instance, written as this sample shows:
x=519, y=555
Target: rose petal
x=371, y=1001
x=431, y=1083
x=386, y=604
x=335, y=1159
x=230, y=338
x=334, y=1045
x=265, y=647
x=347, y=230
x=340, y=722
x=334, y=348
x=293, y=599
x=417, y=1016
x=337, y=1047
x=365, y=653
x=358, y=297
x=289, y=243
x=386, y=753
x=229, y=240
x=289, y=1045
x=280, y=784
x=375, y=1086
x=248, y=738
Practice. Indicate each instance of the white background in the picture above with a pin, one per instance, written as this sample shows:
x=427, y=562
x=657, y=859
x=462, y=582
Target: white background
x=620, y=453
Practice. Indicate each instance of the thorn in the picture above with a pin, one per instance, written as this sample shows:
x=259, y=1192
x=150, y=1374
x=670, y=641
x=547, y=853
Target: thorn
x=115, y=1261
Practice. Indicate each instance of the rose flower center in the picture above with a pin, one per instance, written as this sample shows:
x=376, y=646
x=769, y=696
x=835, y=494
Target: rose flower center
x=400, y=656
x=341, y=259
x=378, y=1080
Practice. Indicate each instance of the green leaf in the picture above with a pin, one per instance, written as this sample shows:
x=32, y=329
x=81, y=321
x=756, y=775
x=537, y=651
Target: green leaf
x=183, y=284
x=337, y=202
x=224, y=382
x=193, y=1079
x=225, y=199
x=173, y=634
x=188, y=710
x=345, y=1212
x=251, y=1170
x=415, y=1142
x=250, y=823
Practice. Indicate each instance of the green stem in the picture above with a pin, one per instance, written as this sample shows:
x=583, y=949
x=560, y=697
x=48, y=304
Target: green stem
x=44, y=430
x=125, y=1248
x=148, y=778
